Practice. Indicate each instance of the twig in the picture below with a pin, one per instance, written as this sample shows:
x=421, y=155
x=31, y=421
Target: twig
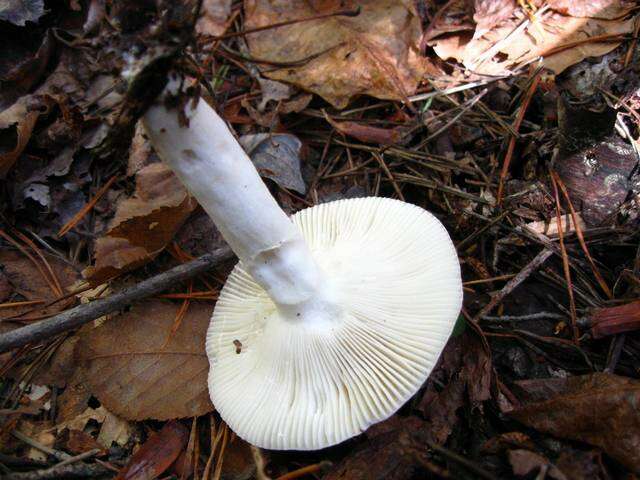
x=76, y=470
x=82, y=314
x=459, y=459
x=531, y=267
x=516, y=126
x=38, y=446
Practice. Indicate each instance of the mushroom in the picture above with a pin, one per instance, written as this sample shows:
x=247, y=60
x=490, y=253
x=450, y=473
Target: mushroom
x=332, y=318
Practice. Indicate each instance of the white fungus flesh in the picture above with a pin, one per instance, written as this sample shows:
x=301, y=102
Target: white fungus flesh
x=312, y=378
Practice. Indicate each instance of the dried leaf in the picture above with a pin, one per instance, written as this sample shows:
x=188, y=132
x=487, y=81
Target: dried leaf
x=561, y=41
x=276, y=156
x=489, y=13
x=525, y=462
x=605, y=9
x=77, y=441
x=143, y=225
x=27, y=280
x=367, y=133
x=25, y=74
x=16, y=125
x=465, y=369
x=374, y=53
x=614, y=320
x=214, y=15
x=19, y=12
x=157, y=454
x=599, y=409
x=128, y=368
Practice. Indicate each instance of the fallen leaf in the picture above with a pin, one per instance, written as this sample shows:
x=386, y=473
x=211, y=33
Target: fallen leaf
x=395, y=452
x=77, y=441
x=213, y=17
x=600, y=409
x=128, y=368
x=114, y=430
x=28, y=282
x=464, y=372
x=506, y=441
x=16, y=125
x=19, y=12
x=561, y=41
x=605, y=9
x=143, y=225
x=374, y=53
x=157, y=454
x=524, y=462
x=26, y=73
x=489, y=13
x=367, y=133
x=276, y=156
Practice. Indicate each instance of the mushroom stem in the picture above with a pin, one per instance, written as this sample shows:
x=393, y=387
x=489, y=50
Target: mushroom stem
x=216, y=170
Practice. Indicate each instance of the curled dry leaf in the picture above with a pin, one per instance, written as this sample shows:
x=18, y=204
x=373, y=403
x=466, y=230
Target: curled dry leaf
x=599, y=409
x=523, y=462
x=16, y=125
x=374, y=53
x=561, y=41
x=276, y=157
x=132, y=372
x=367, y=133
x=157, y=454
x=143, y=225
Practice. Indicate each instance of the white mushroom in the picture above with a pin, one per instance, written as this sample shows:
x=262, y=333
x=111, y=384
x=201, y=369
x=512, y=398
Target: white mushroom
x=332, y=319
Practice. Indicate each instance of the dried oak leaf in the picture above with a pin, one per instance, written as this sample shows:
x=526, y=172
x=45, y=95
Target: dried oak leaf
x=135, y=375
x=374, y=53
x=143, y=225
x=599, y=409
x=19, y=12
x=561, y=41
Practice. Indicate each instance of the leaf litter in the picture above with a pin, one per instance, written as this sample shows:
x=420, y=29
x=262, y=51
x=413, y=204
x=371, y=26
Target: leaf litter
x=471, y=109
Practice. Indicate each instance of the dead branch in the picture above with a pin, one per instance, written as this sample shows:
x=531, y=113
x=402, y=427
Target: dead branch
x=82, y=314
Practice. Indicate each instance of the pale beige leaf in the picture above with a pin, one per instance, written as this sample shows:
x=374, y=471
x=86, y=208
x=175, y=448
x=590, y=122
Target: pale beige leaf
x=134, y=375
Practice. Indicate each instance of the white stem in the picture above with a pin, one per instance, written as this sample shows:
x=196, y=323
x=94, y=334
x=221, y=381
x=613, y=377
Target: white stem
x=212, y=165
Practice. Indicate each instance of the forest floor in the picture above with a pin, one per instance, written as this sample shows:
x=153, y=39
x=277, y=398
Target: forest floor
x=517, y=123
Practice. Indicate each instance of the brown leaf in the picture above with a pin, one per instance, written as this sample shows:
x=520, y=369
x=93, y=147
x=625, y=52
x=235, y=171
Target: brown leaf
x=561, y=41
x=143, y=225
x=465, y=368
x=525, y=462
x=26, y=280
x=614, y=320
x=213, y=17
x=599, y=409
x=77, y=441
x=395, y=453
x=367, y=133
x=374, y=53
x=157, y=454
x=128, y=368
x=16, y=125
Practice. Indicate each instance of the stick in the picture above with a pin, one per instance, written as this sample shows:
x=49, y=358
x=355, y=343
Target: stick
x=82, y=314
x=531, y=267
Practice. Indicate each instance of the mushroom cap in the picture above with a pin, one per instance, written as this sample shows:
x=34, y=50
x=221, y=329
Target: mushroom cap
x=296, y=385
